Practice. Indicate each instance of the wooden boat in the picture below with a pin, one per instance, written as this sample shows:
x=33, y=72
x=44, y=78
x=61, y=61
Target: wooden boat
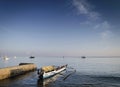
x=48, y=71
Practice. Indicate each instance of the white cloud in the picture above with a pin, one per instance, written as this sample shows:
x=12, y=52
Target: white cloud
x=94, y=18
x=104, y=29
x=103, y=25
x=106, y=34
x=81, y=6
x=85, y=8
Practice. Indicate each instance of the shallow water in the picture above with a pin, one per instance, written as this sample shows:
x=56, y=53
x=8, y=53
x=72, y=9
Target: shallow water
x=90, y=72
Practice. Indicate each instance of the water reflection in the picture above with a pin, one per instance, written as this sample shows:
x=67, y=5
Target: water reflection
x=23, y=79
x=88, y=71
x=47, y=82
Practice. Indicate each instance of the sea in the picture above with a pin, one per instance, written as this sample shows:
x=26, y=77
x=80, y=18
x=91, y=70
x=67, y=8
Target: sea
x=81, y=72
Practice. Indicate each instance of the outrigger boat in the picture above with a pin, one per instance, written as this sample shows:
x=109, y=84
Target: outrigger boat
x=49, y=71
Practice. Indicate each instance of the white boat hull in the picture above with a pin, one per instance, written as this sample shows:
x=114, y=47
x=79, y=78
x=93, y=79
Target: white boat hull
x=52, y=73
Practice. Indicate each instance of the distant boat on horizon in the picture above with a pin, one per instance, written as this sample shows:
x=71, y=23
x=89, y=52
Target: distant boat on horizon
x=32, y=57
x=83, y=57
x=5, y=58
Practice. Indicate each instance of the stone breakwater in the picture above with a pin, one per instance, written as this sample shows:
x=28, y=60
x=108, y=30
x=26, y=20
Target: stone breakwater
x=16, y=70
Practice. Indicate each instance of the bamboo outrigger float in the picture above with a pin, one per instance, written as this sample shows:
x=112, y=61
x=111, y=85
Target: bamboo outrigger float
x=48, y=71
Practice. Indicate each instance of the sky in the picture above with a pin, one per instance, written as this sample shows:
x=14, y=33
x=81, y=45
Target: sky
x=60, y=27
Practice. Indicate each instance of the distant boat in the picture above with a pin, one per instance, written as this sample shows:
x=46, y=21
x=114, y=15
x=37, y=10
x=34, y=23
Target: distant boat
x=5, y=58
x=15, y=57
x=83, y=57
x=32, y=57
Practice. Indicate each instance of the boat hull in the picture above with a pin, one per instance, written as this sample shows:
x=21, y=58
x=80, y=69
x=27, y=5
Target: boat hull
x=52, y=73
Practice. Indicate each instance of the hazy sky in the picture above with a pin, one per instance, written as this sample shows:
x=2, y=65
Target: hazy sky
x=60, y=27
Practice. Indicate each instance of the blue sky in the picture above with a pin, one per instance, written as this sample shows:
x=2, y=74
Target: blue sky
x=60, y=27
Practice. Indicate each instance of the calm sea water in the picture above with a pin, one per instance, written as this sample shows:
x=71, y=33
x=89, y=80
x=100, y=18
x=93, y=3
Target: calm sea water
x=88, y=72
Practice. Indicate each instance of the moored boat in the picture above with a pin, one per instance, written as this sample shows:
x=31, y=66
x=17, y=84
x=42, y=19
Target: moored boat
x=5, y=58
x=32, y=57
x=48, y=71
x=83, y=57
